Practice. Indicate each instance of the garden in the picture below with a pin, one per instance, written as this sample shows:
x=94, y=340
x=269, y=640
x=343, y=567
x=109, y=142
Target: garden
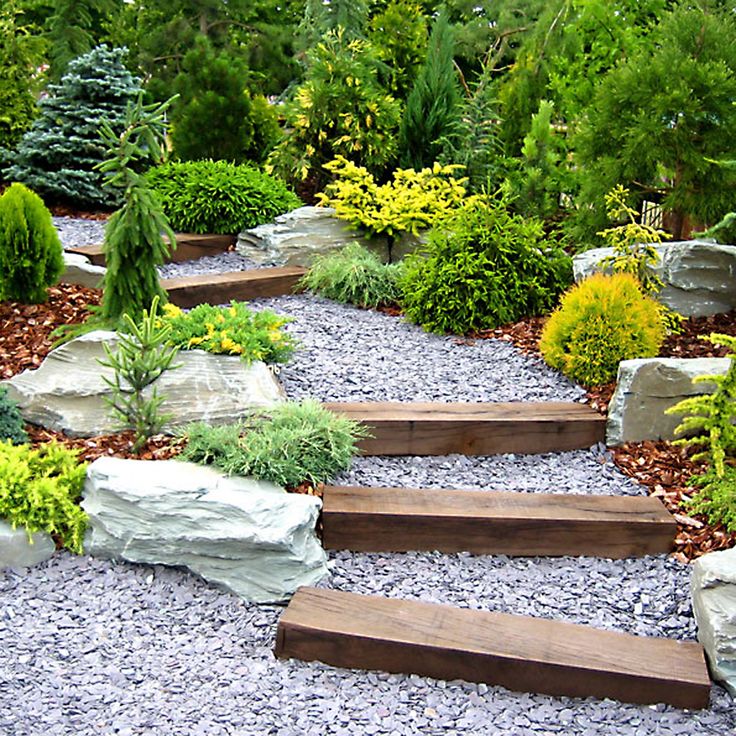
x=367, y=367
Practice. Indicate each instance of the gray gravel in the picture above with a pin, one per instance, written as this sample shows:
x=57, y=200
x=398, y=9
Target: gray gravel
x=74, y=232
x=93, y=647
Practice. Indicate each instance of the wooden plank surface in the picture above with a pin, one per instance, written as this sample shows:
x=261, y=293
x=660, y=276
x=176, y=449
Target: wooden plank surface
x=517, y=652
x=189, y=246
x=494, y=522
x=474, y=428
x=239, y=285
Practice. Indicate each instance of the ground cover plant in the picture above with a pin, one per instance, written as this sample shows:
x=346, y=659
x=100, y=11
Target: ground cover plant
x=11, y=421
x=354, y=275
x=40, y=489
x=30, y=251
x=291, y=444
x=234, y=330
x=481, y=268
x=218, y=196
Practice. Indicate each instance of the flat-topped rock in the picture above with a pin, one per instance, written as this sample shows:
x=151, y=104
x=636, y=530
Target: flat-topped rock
x=646, y=387
x=248, y=536
x=713, y=589
x=16, y=550
x=67, y=392
x=78, y=270
x=699, y=276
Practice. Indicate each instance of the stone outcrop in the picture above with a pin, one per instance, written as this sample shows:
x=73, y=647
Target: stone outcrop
x=248, y=536
x=646, y=387
x=67, y=392
x=295, y=238
x=713, y=588
x=17, y=551
x=79, y=270
x=699, y=276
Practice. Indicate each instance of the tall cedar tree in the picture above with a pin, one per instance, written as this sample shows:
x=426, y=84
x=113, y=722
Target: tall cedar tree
x=433, y=106
x=57, y=157
x=134, y=244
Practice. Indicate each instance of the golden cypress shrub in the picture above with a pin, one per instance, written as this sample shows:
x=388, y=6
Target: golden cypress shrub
x=600, y=322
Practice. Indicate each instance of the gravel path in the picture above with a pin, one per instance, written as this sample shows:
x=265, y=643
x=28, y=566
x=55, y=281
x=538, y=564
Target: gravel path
x=93, y=647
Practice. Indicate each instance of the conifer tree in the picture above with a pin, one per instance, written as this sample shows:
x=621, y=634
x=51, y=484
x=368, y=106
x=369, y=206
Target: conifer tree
x=58, y=155
x=433, y=105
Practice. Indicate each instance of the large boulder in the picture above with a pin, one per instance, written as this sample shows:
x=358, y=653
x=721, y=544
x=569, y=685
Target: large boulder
x=294, y=239
x=713, y=587
x=17, y=550
x=699, y=276
x=646, y=387
x=67, y=392
x=78, y=270
x=248, y=536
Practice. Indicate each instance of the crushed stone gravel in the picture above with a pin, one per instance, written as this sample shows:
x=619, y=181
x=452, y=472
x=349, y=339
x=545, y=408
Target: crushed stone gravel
x=96, y=647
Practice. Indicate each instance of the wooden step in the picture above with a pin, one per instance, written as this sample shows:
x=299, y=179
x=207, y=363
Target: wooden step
x=474, y=429
x=189, y=246
x=494, y=522
x=221, y=288
x=518, y=652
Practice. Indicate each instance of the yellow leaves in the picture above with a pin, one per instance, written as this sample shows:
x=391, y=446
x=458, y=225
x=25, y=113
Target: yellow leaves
x=171, y=310
x=368, y=121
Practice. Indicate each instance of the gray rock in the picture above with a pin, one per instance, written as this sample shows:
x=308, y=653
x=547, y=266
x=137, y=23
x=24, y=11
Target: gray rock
x=295, y=238
x=248, y=536
x=67, y=392
x=646, y=387
x=699, y=276
x=16, y=550
x=713, y=589
x=79, y=270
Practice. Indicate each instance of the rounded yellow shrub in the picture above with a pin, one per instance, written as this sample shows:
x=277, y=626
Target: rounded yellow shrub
x=600, y=322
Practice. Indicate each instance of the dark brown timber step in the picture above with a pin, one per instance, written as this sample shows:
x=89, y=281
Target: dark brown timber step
x=220, y=288
x=474, y=429
x=494, y=522
x=518, y=652
x=189, y=246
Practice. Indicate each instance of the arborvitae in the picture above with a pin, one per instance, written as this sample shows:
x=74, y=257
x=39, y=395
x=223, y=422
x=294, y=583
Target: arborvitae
x=58, y=155
x=433, y=105
x=31, y=257
x=134, y=244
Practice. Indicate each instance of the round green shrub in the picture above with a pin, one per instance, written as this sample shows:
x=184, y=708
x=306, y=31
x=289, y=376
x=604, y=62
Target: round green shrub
x=600, y=322
x=31, y=257
x=218, y=196
x=11, y=421
x=482, y=268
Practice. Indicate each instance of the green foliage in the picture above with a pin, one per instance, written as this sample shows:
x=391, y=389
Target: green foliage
x=658, y=122
x=141, y=357
x=433, y=105
x=11, y=421
x=354, y=275
x=482, y=268
x=218, y=197
x=215, y=116
x=40, y=489
x=709, y=418
x=31, y=256
x=58, y=157
x=349, y=17
x=295, y=443
x=20, y=55
x=600, y=322
x=233, y=330
x=410, y=202
x=716, y=499
x=340, y=109
x=134, y=243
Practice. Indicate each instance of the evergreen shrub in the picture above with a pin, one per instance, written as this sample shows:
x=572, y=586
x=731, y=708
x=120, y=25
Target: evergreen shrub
x=482, y=268
x=31, y=256
x=600, y=322
x=233, y=330
x=40, y=490
x=11, y=421
x=58, y=156
x=218, y=197
x=293, y=444
x=354, y=275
